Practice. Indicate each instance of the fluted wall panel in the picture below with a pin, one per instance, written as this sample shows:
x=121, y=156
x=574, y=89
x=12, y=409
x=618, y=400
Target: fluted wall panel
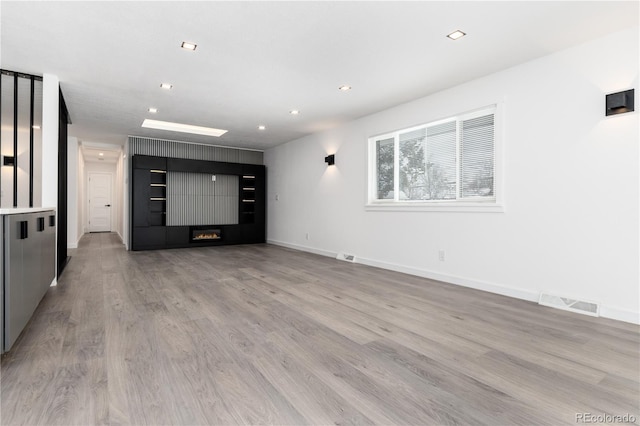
x=175, y=149
x=194, y=199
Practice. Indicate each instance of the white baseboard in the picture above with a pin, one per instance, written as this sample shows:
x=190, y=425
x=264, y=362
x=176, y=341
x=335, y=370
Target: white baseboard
x=303, y=248
x=619, y=314
x=517, y=293
x=74, y=245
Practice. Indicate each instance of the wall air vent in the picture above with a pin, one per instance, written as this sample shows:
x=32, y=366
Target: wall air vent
x=346, y=257
x=569, y=304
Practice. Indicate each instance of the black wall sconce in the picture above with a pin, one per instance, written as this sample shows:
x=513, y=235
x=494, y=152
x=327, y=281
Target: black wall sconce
x=620, y=102
x=8, y=161
x=330, y=159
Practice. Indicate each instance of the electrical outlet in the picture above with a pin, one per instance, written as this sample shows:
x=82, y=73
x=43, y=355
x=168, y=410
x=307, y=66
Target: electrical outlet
x=306, y=236
x=441, y=255
x=277, y=197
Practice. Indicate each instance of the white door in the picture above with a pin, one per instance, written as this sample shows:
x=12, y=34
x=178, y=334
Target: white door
x=100, y=202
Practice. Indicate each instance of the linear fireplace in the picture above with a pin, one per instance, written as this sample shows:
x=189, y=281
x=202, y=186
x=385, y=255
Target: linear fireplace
x=203, y=234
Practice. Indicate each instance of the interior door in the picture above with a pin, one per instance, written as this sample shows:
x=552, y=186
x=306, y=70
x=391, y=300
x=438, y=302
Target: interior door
x=100, y=202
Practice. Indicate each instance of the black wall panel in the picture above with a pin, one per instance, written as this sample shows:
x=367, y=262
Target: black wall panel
x=63, y=117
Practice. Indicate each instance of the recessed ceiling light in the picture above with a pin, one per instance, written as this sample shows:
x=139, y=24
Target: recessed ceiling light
x=261, y=127
x=153, y=110
x=344, y=88
x=166, y=86
x=184, y=128
x=35, y=126
x=101, y=154
x=188, y=46
x=294, y=112
x=456, y=35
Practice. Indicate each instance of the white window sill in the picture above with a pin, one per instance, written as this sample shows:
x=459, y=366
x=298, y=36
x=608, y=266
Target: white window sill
x=460, y=207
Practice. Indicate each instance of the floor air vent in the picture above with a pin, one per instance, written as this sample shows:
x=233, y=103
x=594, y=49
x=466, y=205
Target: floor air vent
x=346, y=257
x=568, y=304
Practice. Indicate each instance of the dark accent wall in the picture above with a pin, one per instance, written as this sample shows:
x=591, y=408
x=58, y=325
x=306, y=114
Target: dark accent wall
x=63, y=120
x=15, y=140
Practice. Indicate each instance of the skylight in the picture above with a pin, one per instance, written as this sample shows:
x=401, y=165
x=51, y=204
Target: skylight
x=183, y=128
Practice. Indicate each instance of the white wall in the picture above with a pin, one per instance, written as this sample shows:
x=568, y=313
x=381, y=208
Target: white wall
x=570, y=225
x=73, y=151
x=119, y=198
x=37, y=170
x=50, y=111
x=50, y=122
x=81, y=179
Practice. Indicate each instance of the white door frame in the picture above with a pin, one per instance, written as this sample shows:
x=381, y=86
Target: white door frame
x=113, y=207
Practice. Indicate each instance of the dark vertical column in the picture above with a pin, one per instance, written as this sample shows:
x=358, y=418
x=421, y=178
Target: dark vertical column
x=0, y=136
x=15, y=140
x=31, y=109
x=63, y=118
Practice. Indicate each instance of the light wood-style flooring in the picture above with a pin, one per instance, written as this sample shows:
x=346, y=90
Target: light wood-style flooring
x=261, y=334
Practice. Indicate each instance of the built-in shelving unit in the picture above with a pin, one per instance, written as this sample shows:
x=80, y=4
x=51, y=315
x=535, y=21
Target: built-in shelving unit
x=158, y=197
x=247, y=198
x=149, y=191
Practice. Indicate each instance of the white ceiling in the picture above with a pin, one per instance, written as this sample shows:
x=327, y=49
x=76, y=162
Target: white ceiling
x=256, y=61
x=100, y=155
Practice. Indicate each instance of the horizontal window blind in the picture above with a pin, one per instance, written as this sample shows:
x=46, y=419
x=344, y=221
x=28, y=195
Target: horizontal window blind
x=449, y=160
x=413, y=178
x=476, y=157
x=385, y=168
x=441, y=161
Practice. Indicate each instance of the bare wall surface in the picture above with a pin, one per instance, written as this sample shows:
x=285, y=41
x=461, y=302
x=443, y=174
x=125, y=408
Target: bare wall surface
x=570, y=188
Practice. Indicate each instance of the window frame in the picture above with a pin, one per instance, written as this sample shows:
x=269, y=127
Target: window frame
x=468, y=204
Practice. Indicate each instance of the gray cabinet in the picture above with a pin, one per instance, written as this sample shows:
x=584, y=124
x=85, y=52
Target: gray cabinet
x=29, y=268
x=48, y=250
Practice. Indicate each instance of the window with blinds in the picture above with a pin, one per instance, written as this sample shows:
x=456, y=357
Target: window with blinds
x=449, y=160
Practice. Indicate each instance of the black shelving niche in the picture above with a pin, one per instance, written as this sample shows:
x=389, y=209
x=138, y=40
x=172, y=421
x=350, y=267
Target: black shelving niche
x=247, y=198
x=158, y=197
